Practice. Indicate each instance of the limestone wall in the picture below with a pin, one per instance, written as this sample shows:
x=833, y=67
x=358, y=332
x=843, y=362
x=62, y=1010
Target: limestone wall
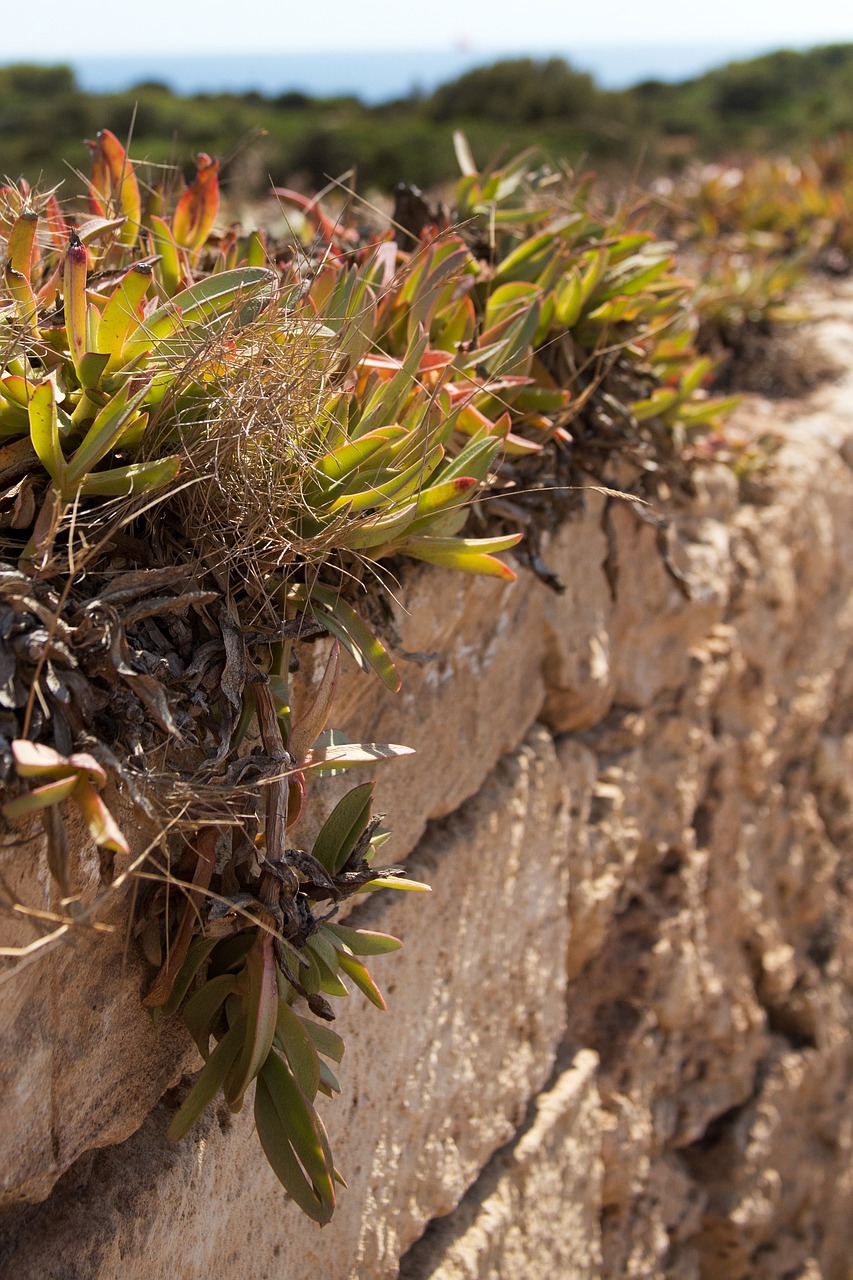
x=618, y=1039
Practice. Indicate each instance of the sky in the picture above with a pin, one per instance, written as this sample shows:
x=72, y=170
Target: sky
x=185, y=27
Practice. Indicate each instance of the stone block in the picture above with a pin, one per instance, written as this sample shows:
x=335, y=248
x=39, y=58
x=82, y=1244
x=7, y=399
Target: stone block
x=535, y=1211
x=477, y=1009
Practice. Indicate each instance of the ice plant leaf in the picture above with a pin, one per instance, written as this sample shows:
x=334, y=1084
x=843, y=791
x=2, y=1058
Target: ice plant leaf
x=196, y=957
x=103, y=434
x=44, y=430
x=395, y=882
x=203, y=1008
x=122, y=311
x=303, y=1127
x=299, y=1050
x=74, y=296
x=364, y=942
x=210, y=299
x=356, y=970
x=197, y=206
x=329, y=1085
x=469, y=555
x=103, y=827
x=326, y=1041
x=282, y=1133
x=168, y=268
x=208, y=1084
x=138, y=477
x=26, y=302
x=22, y=242
x=37, y=760
x=114, y=185
x=330, y=982
x=40, y=797
x=260, y=1010
x=339, y=833
x=354, y=633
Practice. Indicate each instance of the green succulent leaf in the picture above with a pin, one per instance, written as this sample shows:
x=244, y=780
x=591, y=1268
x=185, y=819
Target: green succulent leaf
x=138, y=477
x=330, y=982
x=354, y=634
x=105, y=431
x=260, y=1012
x=340, y=832
x=288, y=1130
x=197, y=955
x=328, y=1084
x=325, y=1040
x=364, y=942
x=44, y=430
x=40, y=798
x=201, y=1011
x=209, y=1082
x=468, y=555
x=354, y=969
x=299, y=1049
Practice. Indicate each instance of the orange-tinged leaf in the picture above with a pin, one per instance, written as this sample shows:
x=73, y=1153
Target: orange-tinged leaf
x=299, y=1050
x=168, y=267
x=364, y=942
x=40, y=798
x=113, y=184
x=36, y=760
x=121, y=311
x=44, y=430
x=84, y=763
x=356, y=970
x=21, y=291
x=197, y=206
x=342, y=828
x=57, y=225
x=103, y=827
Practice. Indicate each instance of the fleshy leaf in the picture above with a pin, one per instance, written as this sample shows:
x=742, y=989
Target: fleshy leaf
x=363, y=942
x=299, y=1049
x=340, y=831
x=203, y=1008
x=197, y=206
x=288, y=1130
x=354, y=969
x=103, y=827
x=261, y=1011
x=40, y=798
x=208, y=1084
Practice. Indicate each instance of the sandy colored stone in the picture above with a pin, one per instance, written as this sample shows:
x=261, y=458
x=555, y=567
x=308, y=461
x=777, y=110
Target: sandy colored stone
x=534, y=1211
x=709, y=916
x=81, y=1062
x=698, y=803
x=480, y=661
x=430, y=1090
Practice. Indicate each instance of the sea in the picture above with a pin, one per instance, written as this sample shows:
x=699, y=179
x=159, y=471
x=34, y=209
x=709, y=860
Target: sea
x=376, y=77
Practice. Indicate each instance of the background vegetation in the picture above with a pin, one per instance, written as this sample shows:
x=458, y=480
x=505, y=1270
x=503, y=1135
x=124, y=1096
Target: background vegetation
x=782, y=100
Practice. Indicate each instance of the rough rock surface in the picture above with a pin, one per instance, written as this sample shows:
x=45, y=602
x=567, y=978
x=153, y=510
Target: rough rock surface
x=619, y=1038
